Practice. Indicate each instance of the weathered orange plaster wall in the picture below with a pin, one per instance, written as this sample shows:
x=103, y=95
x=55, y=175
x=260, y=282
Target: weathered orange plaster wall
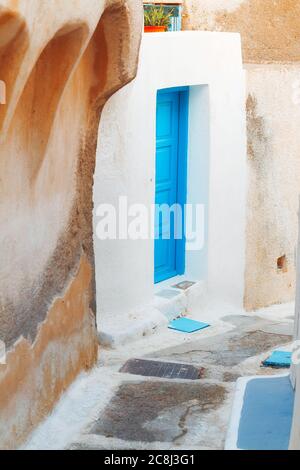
x=60, y=61
x=37, y=374
x=271, y=49
x=269, y=29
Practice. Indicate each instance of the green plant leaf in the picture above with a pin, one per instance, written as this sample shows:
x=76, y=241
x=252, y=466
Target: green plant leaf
x=157, y=16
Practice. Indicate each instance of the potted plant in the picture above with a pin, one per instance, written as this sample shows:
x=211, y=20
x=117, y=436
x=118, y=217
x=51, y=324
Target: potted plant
x=157, y=19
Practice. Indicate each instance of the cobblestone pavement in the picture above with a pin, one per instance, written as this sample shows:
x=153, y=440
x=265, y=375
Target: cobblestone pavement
x=163, y=413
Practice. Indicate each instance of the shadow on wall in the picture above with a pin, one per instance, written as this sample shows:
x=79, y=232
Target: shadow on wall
x=111, y=51
x=44, y=89
x=14, y=42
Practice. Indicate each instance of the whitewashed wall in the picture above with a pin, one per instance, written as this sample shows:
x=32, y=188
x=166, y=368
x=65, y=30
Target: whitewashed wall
x=295, y=373
x=211, y=64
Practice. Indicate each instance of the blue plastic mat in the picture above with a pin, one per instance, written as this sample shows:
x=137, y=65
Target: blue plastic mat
x=267, y=413
x=279, y=359
x=186, y=325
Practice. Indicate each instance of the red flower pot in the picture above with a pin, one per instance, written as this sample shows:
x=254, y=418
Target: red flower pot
x=155, y=29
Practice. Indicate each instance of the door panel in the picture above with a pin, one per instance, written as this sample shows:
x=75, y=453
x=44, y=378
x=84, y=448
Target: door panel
x=168, y=154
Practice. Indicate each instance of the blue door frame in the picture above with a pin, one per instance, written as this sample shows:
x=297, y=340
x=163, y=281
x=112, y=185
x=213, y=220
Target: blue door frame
x=171, y=179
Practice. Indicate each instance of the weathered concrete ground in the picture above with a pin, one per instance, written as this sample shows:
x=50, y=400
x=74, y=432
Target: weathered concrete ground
x=130, y=411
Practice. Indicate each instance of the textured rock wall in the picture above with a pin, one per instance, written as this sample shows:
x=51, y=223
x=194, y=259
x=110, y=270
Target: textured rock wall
x=60, y=62
x=271, y=49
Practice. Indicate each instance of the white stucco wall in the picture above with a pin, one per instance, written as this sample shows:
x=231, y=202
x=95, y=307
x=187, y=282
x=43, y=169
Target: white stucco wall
x=295, y=370
x=211, y=64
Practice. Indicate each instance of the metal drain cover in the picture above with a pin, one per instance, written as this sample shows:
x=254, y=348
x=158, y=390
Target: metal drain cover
x=184, y=285
x=167, y=370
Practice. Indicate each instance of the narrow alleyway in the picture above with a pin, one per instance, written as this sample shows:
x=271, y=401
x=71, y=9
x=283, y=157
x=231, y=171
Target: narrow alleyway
x=108, y=409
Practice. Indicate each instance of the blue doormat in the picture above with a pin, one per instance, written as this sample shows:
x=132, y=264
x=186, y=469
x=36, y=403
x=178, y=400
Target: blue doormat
x=278, y=359
x=186, y=325
x=267, y=413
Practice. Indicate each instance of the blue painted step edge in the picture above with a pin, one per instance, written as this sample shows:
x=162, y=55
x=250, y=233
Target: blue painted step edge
x=279, y=359
x=186, y=325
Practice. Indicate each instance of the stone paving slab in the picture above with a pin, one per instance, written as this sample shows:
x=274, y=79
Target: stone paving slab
x=159, y=411
x=228, y=350
x=97, y=442
x=166, y=414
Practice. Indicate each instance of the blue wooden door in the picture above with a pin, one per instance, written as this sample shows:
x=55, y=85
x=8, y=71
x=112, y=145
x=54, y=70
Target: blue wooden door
x=171, y=153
